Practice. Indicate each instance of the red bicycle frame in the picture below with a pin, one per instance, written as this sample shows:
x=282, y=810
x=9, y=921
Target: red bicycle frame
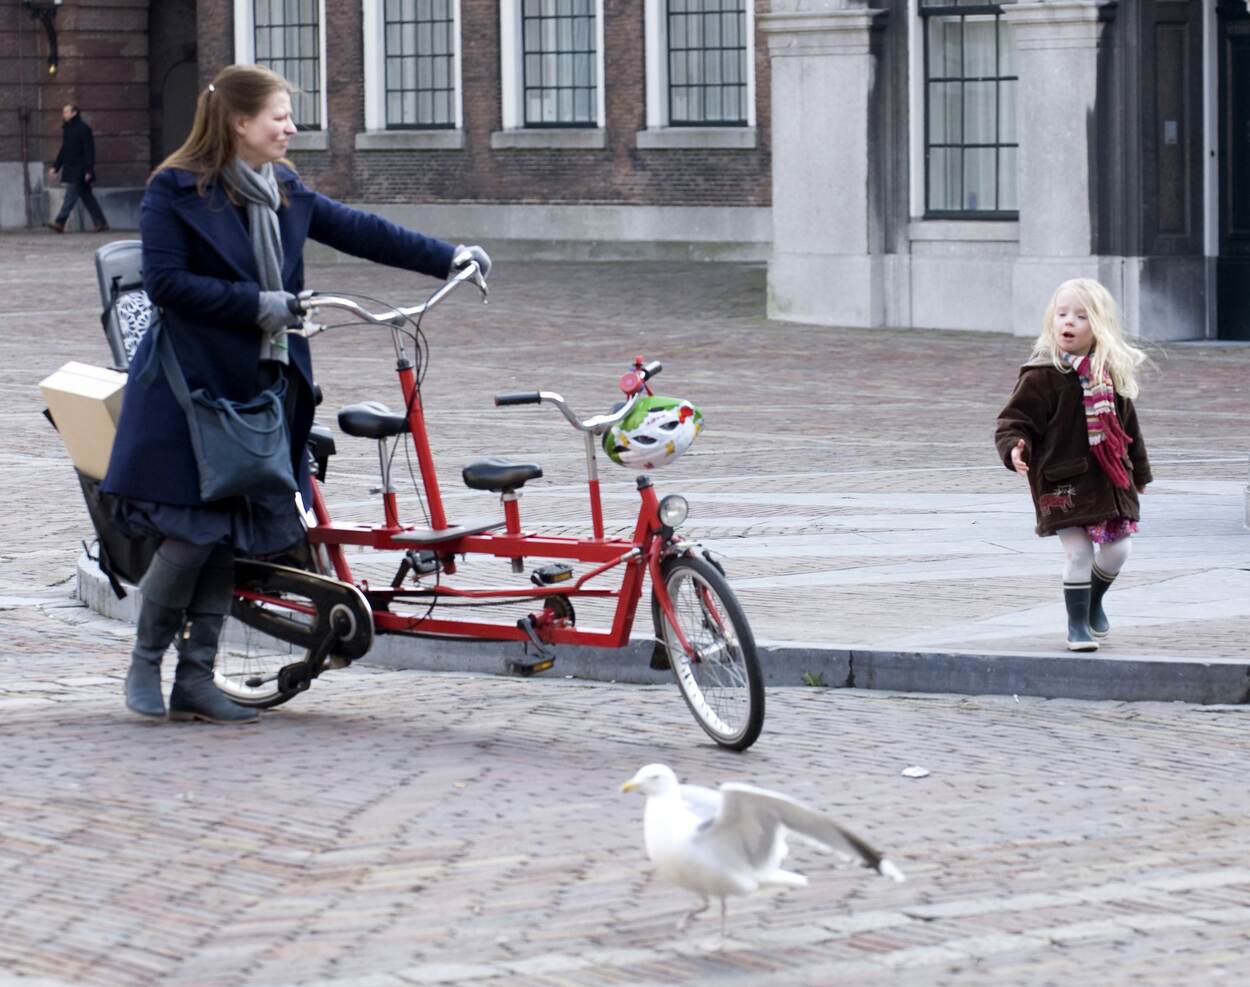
x=642, y=553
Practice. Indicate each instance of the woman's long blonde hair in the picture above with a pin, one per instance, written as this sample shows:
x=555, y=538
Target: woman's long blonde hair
x=1111, y=350
x=236, y=91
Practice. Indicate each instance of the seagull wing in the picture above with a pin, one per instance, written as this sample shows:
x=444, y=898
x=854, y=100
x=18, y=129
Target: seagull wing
x=751, y=817
x=703, y=802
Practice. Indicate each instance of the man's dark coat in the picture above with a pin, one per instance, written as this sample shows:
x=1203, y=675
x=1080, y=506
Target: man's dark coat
x=199, y=268
x=76, y=159
x=1069, y=487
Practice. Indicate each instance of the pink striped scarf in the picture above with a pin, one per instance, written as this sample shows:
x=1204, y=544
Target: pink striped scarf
x=1107, y=439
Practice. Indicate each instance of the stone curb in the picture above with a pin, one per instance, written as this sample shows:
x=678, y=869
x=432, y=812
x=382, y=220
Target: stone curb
x=1048, y=676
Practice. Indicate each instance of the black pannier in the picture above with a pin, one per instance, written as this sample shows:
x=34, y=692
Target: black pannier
x=120, y=557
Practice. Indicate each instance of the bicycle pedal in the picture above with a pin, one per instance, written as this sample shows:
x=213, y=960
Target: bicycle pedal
x=543, y=658
x=557, y=572
x=526, y=667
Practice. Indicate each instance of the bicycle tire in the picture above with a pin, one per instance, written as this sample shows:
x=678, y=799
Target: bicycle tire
x=233, y=671
x=724, y=687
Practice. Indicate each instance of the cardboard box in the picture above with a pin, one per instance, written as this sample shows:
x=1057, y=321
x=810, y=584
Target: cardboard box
x=85, y=403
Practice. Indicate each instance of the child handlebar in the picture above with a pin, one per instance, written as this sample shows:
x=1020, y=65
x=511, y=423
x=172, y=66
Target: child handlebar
x=520, y=397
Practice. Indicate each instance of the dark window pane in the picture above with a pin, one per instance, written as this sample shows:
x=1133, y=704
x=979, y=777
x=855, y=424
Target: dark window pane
x=707, y=52
x=1007, y=111
x=945, y=178
x=559, y=50
x=980, y=178
x=980, y=112
x=1007, y=179
x=419, y=39
x=944, y=38
x=945, y=112
x=970, y=110
x=286, y=39
x=980, y=46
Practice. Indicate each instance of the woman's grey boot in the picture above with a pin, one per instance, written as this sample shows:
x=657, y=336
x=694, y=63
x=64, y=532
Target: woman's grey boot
x=1076, y=599
x=195, y=696
x=168, y=588
x=1099, y=583
x=157, y=627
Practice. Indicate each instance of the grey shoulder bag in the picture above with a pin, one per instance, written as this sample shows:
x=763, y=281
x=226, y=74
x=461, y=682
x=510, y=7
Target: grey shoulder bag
x=242, y=448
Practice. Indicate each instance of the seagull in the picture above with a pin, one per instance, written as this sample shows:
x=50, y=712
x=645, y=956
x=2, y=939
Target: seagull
x=732, y=841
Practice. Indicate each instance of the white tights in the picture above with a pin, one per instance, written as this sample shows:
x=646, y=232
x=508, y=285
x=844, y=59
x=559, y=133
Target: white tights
x=1080, y=558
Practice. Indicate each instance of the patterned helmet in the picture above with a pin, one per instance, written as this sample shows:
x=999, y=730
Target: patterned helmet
x=654, y=433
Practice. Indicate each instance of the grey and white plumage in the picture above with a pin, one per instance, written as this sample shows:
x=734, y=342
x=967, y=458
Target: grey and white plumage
x=732, y=841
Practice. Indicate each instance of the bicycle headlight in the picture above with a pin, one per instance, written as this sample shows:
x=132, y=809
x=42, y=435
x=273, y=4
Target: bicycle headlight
x=673, y=510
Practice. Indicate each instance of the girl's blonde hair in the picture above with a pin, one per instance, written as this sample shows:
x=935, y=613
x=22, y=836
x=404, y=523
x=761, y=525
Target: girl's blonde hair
x=237, y=91
x=1111, y=350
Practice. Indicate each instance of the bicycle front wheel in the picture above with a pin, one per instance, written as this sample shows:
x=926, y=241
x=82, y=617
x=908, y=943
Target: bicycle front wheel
x=721, y=680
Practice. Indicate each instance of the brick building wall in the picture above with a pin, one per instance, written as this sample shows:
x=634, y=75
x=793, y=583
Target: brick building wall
x=103, y=46
x=620, y=173
x=103, y=69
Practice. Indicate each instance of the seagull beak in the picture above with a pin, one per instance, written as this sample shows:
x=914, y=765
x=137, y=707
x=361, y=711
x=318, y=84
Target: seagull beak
x=629, y=786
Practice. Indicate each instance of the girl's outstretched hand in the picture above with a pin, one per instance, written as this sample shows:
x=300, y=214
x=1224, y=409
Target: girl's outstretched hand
x=1141, y=489
x=1017, y=459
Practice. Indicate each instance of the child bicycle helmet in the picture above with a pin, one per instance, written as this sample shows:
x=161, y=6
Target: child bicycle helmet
x=654, y=433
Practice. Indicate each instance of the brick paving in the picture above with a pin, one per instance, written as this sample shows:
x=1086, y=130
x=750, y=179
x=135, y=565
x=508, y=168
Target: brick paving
x=848, y=477
x=392, y=828
x=398, y=828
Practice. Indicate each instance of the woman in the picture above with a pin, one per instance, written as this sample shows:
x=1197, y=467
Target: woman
x=223, y=224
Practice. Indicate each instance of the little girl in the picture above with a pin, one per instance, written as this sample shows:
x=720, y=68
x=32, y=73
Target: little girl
x=1071, y=430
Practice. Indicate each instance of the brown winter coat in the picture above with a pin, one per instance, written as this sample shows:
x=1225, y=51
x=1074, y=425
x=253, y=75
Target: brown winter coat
x=1069, y=488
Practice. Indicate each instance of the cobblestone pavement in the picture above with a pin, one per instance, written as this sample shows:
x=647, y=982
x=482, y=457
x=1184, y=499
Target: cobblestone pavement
x=392, y=828
x=848, y=476
x=395, y=828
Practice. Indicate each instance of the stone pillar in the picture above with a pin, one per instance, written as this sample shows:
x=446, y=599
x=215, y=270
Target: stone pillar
x=826, y=259
x=1057, y=51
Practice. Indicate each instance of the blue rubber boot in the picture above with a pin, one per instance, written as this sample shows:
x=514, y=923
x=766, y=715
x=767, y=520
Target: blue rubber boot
x=1076, y=598
x=1099, y=583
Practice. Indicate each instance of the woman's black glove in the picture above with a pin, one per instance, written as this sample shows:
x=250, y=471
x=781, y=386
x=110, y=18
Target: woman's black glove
x=274, y=313
x=464, y=255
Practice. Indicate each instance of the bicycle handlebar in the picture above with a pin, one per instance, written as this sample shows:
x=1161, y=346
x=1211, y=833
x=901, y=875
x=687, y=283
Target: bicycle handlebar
x=309, y=301
x=632, y=383
x=596, y=425
x=523, y=397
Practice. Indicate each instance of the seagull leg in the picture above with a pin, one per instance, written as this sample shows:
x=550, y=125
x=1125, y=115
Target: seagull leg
x=685, y=919
x=722, y=921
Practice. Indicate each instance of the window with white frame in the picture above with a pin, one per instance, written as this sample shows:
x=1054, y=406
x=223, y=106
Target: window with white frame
x=420, y=53
x=707, y=62
x=550, y=73
x=970, y=143
x=559, y=63
x=285, y=36
x=700, y=60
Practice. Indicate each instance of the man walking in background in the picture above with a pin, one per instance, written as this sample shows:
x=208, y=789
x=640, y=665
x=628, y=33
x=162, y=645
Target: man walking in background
x=76, y=164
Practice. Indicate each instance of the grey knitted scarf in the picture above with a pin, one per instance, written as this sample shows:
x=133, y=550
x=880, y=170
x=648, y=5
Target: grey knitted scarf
x=259, y=190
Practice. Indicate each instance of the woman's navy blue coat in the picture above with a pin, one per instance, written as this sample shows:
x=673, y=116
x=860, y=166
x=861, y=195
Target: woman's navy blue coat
x=198, y=267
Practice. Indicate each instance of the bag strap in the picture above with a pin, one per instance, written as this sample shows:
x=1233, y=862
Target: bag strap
x=164, y=356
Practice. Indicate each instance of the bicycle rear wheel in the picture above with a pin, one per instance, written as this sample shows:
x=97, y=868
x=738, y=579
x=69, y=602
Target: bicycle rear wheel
x=248, y=669
x=297, y=623
x=721, y=682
